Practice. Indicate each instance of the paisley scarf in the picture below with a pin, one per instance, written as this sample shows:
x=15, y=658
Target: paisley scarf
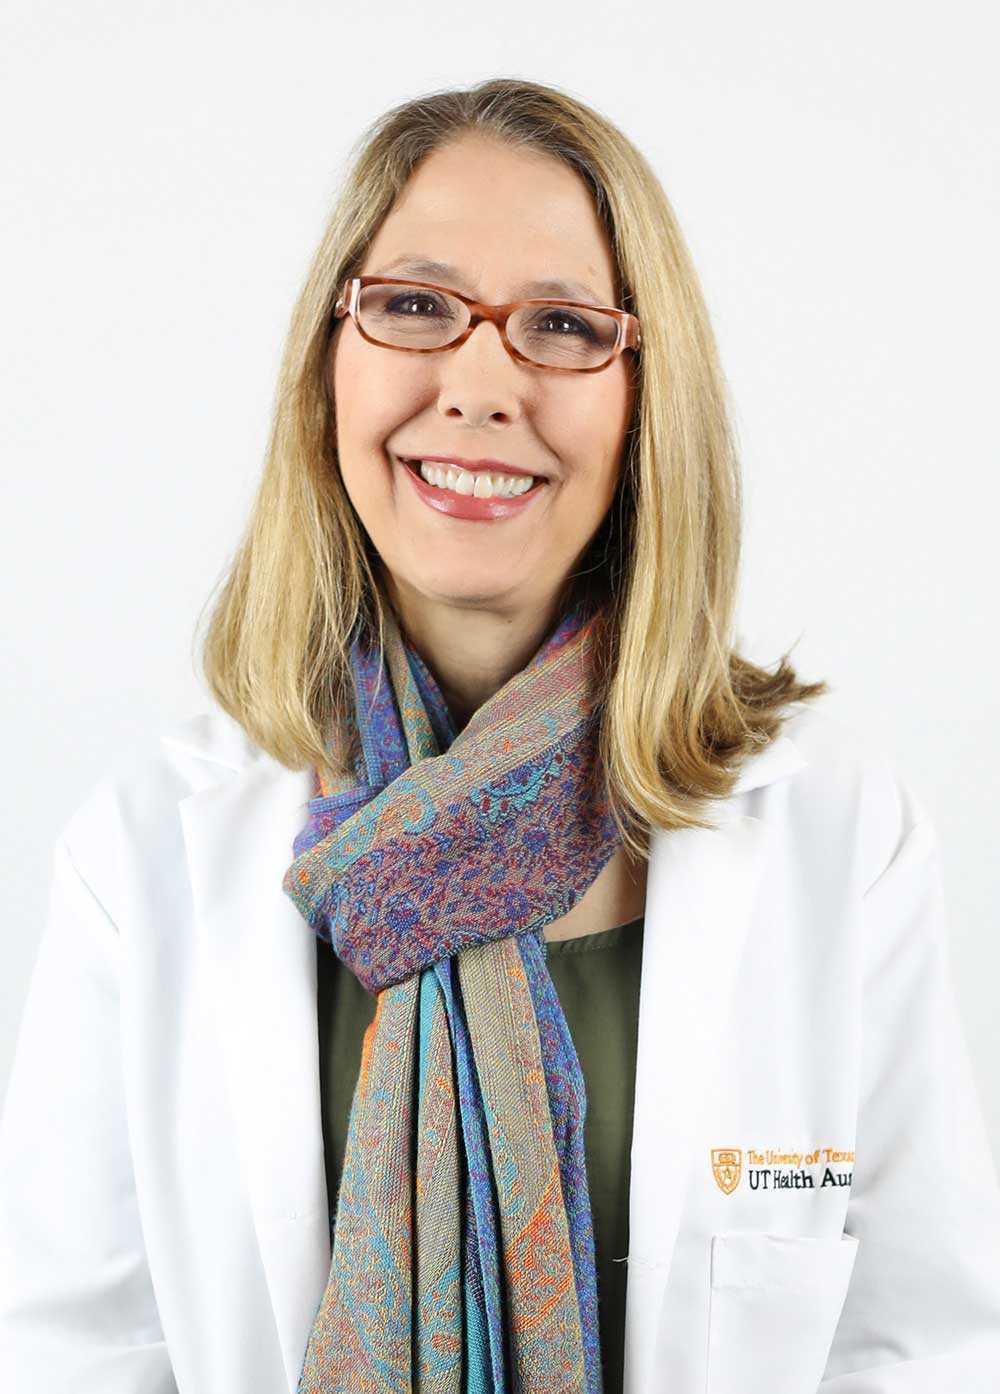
x=463, y=1246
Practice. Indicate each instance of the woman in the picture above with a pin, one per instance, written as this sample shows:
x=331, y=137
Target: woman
x=505, y=985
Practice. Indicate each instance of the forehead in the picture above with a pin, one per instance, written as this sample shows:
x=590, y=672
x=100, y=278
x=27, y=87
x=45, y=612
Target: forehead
x=497, y=223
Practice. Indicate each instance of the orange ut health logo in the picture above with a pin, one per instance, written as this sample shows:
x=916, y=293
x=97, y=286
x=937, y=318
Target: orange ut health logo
x=727, y=1164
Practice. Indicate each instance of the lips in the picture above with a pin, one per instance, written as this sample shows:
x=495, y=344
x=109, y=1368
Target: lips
x=465, y=506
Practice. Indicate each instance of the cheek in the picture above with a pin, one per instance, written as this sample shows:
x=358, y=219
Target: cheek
x=369, y=406
x=595, y=437
x=353, y=397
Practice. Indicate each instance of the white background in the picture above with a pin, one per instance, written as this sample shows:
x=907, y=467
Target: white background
x=167, y=171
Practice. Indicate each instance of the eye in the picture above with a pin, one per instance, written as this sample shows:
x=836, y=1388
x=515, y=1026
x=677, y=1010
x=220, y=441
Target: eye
x=570, y=323
x=398, y=304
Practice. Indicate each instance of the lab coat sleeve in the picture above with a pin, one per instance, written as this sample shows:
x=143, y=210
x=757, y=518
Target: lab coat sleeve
x=77, y=1308
x=922, y=1313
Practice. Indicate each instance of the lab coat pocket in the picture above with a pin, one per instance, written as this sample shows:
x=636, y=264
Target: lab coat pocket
x=774, y=1305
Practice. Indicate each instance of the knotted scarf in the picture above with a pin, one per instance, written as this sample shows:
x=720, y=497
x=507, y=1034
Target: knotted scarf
x=463, y=1245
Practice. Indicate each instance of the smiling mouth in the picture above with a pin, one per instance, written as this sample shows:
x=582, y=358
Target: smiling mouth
x=481, y=484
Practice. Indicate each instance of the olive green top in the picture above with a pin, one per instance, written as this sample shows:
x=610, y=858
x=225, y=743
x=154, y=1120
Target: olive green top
x=596, y=977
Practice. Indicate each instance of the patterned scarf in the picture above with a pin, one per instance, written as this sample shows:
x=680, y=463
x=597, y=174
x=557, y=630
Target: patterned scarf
x=463, y=1245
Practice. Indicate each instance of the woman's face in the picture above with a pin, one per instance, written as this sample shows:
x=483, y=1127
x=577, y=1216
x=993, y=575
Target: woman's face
x=500, y=218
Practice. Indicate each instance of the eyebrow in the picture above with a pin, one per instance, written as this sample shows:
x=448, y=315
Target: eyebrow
x=431, y=270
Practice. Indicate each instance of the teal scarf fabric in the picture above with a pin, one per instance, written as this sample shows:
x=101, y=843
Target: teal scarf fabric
x=463, y=1249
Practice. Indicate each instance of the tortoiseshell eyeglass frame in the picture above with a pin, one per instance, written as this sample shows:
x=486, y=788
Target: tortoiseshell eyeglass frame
x=629, y=332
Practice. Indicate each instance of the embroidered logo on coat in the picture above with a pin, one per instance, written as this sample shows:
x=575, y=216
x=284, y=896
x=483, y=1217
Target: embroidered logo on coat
x=771, y=1169
x=727, y=1163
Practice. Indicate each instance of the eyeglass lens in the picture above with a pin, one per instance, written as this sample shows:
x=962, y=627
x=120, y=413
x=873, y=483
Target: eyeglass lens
x=554, y=336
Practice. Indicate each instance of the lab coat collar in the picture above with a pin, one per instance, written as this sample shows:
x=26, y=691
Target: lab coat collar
x=260, y=955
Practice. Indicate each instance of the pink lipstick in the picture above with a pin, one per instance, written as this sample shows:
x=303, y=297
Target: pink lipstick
x=467, y=506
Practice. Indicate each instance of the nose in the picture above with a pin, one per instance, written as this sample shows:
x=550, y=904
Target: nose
x=480, y=380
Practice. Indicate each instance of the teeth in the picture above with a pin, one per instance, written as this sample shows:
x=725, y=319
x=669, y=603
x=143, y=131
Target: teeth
x=479, y=485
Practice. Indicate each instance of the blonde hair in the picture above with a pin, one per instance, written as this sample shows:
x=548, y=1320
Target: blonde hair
x=679, y=709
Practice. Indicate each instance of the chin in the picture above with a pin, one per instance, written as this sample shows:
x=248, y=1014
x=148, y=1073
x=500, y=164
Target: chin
x=461, y=591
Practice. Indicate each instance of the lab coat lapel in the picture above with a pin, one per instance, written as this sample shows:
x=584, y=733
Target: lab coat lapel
x=261, y=958
x=700, y=889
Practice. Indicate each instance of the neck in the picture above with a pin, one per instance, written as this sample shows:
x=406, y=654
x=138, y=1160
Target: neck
x=472, y=652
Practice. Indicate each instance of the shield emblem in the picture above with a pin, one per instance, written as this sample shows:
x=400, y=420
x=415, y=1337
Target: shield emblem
x=727, y=1165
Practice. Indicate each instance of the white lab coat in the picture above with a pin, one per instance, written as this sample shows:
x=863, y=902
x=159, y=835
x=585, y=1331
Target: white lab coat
x=163, y=1205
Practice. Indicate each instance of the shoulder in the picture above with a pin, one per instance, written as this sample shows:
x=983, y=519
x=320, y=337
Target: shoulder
x=847, y=790
x=134, y=806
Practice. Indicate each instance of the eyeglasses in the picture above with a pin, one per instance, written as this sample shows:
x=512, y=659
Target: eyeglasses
x=417, y=317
